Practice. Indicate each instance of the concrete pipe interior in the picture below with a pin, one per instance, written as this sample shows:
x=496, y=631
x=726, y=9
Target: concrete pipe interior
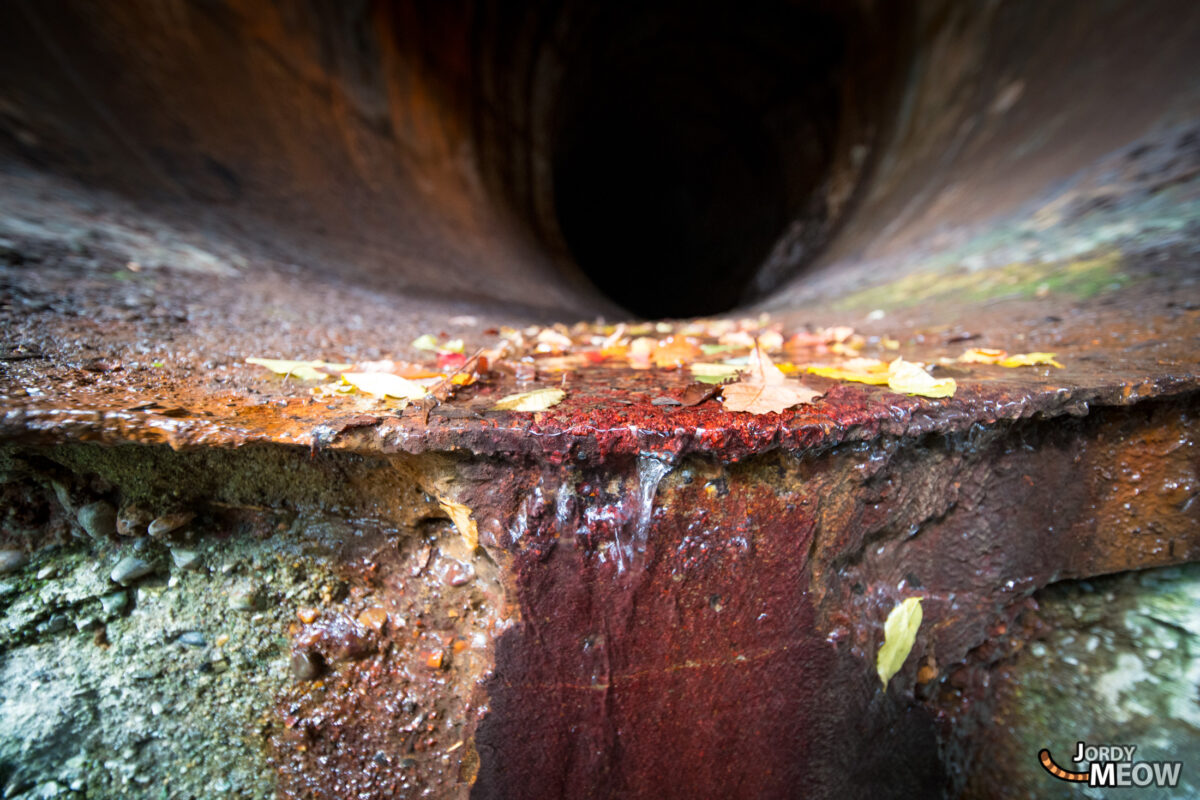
x=655, y=593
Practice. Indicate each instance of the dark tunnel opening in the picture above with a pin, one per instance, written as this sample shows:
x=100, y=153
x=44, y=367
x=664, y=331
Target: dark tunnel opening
x=690, y=143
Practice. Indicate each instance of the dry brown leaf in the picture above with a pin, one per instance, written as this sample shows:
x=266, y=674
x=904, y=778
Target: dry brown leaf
x=697, y=393
x=765, y=388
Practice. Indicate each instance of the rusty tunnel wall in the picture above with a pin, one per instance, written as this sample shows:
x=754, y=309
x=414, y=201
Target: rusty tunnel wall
x=667, y=158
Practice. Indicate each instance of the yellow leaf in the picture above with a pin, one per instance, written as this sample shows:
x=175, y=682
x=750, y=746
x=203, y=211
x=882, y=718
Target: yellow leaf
x=304, y=370
x=461, y=516
x=899, y=634
x=981, y=355
x=1030, y=360
x=860, y=370
x=426, y=342
x=908, y=377
x=537, y=400
x=385, y=384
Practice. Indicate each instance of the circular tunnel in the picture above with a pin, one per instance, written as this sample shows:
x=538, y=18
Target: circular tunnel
x=570, y=159
x=687, y=145
x=688, y=159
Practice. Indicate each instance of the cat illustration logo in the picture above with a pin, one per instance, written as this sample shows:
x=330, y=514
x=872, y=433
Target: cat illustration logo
x=1060, y=773
x=1113, y=766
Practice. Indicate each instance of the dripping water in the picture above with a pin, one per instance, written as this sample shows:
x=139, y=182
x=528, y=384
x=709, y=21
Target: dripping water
x=651, y=471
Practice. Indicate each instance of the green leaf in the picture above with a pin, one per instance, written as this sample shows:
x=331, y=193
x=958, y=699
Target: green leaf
x=713, y=373
x=537, y=400
x=899, y=634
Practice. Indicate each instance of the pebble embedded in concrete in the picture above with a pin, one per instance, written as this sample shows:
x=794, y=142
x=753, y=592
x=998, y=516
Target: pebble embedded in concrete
x=185, y=559
x=245, y=597
x=130, y=569
x=114, y=603
x=12, y=560
x=192, y=639
x=167, y=523
x=98, y=520
x=305, y=665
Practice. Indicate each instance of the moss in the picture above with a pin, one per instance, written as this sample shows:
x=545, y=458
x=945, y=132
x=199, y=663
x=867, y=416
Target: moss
x=1082, y=278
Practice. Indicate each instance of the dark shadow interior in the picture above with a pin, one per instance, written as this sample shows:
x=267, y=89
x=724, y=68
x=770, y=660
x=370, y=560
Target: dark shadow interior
x=688, y=142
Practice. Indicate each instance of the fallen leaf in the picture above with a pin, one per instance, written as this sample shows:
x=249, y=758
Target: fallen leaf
x=460, y=515
x=385, y=384
x=697, y=393
x=429, y=343
x=537, y=400
x=909, y=377
x=844, y=348
x=426, y=342
x=1030, y=360
x=839, y=334
x=981, y=355
x=552, y=341
x=765, y=388
x=859, y=370
x=304, y=370
x=770, y=340
x=899, y=635
x=674, y=352
x=641, y=351
x=713, y=373
x=665, y=400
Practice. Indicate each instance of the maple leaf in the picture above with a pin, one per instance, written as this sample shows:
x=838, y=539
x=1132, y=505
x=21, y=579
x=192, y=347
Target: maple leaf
x=765, y=388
